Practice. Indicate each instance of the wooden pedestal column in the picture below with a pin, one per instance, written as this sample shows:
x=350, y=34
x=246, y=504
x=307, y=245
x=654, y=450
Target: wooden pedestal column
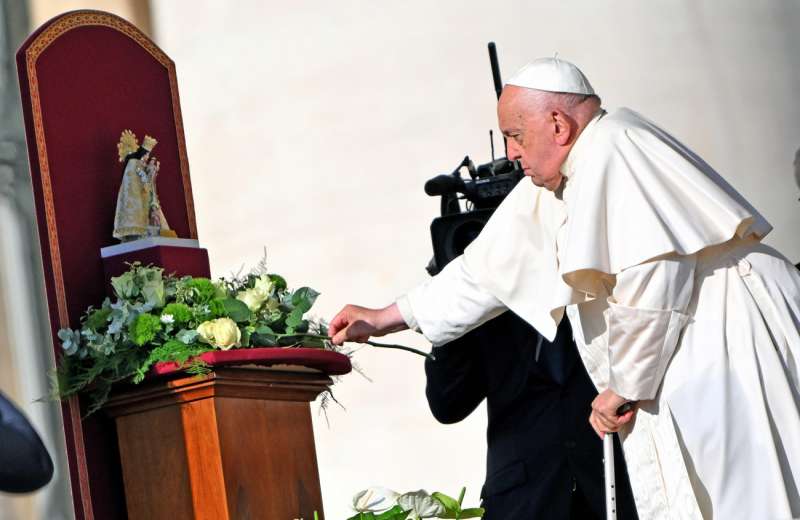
x=233, y=444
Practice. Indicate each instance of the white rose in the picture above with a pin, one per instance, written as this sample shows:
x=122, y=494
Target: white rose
x=223, y=333
x=253, y=298
x=167, y=318
x=264, y=284
x=206, y=332
x=421, y=504
x=375, y=499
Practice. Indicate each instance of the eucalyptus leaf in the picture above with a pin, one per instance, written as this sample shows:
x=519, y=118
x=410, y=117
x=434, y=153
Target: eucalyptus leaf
x=236, y=310
x=187, y=337
x=294, y=319
x=279, y=281
x=263, y=336
x=304, y=298
x=301, y=327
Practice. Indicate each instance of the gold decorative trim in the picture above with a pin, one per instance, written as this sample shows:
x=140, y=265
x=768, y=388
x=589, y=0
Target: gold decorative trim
x=49, y=35
x=57, y=28
x=74, y=406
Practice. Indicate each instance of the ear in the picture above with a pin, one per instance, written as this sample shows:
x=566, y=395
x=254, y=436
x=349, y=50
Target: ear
x=563, y=128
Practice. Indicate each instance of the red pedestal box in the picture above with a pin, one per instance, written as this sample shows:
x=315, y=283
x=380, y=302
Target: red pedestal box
x=182, y=261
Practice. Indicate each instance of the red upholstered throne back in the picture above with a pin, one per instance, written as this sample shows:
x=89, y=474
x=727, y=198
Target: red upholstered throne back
x=84, y=77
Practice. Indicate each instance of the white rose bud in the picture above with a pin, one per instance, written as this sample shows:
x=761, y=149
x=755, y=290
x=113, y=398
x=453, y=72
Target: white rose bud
x=375, y=499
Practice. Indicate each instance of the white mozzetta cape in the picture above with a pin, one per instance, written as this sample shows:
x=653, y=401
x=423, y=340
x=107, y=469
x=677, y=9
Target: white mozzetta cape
x=674, y=303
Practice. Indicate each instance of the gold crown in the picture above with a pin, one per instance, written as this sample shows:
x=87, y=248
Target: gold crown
x=127, y=144
x=149, y=143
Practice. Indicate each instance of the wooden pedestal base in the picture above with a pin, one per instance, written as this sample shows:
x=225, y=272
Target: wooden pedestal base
x=234, y=444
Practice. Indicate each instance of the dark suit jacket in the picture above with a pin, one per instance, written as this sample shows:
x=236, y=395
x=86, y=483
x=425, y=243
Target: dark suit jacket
x=540, y=443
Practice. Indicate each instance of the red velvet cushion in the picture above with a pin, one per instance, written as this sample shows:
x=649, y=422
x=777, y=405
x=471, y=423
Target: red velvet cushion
x=329, y=362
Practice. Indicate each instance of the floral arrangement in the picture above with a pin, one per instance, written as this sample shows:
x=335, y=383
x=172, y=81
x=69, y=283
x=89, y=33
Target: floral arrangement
x=379, y=503
x=156, y=317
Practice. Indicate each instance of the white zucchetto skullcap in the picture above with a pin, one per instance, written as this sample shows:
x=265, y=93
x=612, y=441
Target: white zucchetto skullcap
x=552, y=75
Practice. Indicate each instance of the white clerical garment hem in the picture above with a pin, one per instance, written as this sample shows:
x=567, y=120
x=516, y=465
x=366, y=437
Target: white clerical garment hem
x=673, y=301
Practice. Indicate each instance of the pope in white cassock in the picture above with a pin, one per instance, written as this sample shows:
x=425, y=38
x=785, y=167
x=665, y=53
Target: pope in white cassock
x=674, y=301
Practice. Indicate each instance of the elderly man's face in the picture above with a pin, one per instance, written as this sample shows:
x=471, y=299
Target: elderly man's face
x=530, y=138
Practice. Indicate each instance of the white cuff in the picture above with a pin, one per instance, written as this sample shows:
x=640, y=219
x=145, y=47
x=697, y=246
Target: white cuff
x=404, y=306
x=640, y=344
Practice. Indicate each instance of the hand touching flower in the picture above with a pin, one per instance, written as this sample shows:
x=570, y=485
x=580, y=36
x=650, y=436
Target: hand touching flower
x=354, y=323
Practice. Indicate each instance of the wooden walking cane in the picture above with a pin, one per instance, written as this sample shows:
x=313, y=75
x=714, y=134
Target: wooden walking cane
x=608, y=465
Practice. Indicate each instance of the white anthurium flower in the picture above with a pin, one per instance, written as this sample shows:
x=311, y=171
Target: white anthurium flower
x=375, y=499
x=421, y=504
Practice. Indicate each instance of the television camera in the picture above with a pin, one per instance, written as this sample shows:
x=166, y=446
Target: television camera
x=484, y=190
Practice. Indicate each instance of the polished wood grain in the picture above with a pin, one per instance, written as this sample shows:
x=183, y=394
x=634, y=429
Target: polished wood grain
x=236, y=444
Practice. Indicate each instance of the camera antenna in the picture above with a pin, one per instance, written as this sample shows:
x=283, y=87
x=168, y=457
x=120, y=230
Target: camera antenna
x=491, y=142
x=498, y=85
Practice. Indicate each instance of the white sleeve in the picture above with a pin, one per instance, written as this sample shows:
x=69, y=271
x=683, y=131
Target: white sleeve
x=645, y=318
x=448, y=305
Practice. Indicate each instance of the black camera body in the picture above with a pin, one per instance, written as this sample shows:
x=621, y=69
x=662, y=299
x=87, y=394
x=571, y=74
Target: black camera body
x=486, y=188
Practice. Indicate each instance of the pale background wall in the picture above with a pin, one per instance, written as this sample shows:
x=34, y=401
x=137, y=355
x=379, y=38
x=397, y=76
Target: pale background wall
x=312, y=126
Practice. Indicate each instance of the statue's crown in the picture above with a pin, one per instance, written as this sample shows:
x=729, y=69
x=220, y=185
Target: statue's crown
x=148, y=143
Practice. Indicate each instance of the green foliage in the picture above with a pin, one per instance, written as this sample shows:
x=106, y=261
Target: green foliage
x=395, y=513
x=180, y=312
x=452, y=507
x=98, y=319
x=195, y=291
x=173, y=350
x=236, y=310
x=143, y=329
x=154, y=318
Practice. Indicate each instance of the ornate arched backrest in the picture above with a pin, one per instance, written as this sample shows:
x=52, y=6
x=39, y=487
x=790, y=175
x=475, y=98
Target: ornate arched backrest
x=84, y=77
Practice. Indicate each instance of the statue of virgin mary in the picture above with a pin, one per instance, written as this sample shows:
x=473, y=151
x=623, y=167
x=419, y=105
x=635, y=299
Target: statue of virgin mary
x=138, y=213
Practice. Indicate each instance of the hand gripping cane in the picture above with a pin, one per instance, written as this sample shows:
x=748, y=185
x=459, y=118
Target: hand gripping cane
x=608, y=464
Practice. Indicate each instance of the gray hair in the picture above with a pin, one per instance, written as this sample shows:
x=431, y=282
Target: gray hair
x=564, y=101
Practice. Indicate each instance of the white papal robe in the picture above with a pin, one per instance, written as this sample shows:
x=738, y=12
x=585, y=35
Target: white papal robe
x=674, y=303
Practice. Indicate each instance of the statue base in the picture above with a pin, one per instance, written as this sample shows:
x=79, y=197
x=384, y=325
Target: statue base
x=176, y=255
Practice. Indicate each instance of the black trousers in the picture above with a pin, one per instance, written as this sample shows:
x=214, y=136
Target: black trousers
x=579, y=507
